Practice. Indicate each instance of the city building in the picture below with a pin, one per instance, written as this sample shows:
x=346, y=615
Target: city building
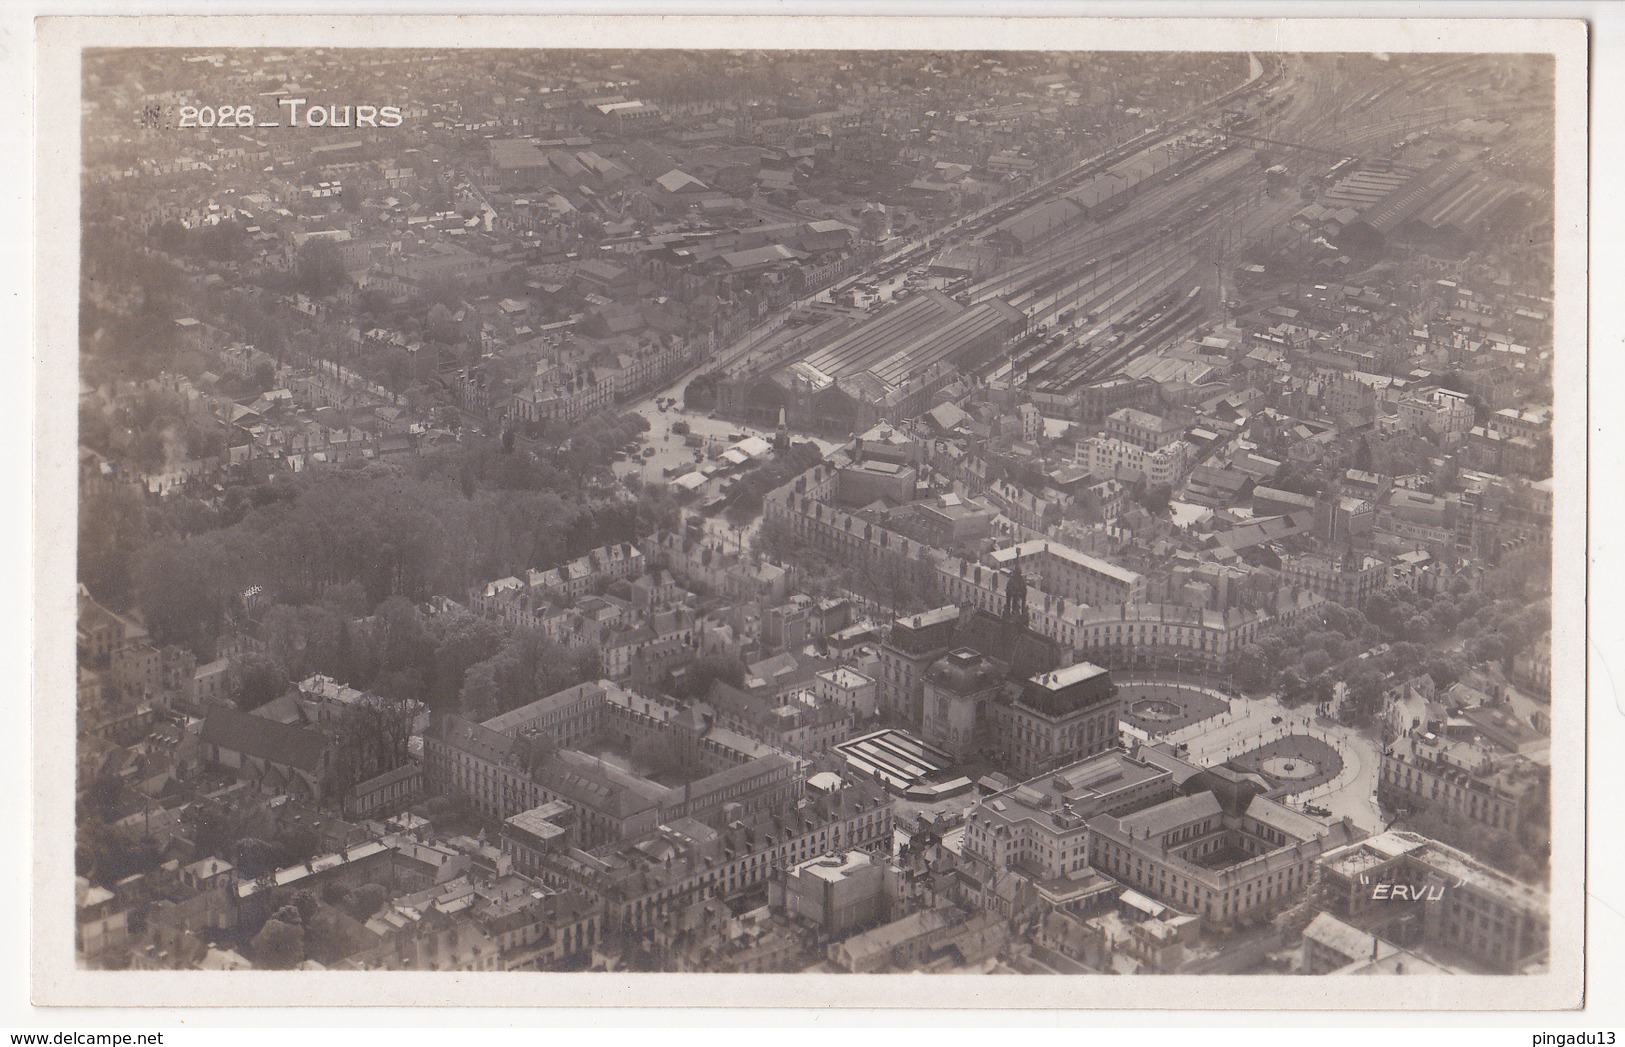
x=1108, y=456
x=566, y=719
x=836, y=893
x=846, y=687
x=1056, y=718
x=1417, y=893
x=1064, y=572
x=911, y=647
x=645, y=879
x=610, y=295
x=1462, y=778
x=1331, y=946
x=504, y=774
x=960, y=688
x=1142, y=429
x=1204, y=843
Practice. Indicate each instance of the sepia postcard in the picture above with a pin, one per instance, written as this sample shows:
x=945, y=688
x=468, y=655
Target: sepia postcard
x=738, y=511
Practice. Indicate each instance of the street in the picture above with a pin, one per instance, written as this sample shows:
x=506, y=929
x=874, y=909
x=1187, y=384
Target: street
x=1248, y=725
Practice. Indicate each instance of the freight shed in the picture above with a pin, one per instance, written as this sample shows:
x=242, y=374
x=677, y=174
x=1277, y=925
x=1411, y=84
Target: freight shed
x=1370, y=233
x=1036, y=226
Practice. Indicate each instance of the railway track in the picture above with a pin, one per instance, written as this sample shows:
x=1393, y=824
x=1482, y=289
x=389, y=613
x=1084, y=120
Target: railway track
x=1095, y=242
x=1119, y=269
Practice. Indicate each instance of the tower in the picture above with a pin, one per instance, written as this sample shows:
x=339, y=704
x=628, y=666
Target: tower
x=1015, y=596
x=781, y=438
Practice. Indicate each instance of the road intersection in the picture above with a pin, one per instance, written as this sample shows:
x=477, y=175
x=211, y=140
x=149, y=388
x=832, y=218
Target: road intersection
x=1254, y=721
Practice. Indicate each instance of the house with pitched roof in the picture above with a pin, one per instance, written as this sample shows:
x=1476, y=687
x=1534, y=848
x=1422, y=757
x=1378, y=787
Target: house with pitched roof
x=279, y=757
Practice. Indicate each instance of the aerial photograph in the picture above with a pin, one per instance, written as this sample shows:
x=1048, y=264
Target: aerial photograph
x=816, y=512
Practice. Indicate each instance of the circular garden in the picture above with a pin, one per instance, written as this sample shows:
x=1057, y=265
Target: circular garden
x=1295, y=763
x=1165, y=708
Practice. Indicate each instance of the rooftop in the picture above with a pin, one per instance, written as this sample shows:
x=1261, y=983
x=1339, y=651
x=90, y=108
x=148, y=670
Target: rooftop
x=845, y=677
x=284, y=744
x=1022, y=550
x=1343, y=939
x=833, y=868
x=1094, y=786
x=515, y=719
x=894, y=757
x=885, y=938
x=544, y=822
x=1072, y=674
x=1154, y=821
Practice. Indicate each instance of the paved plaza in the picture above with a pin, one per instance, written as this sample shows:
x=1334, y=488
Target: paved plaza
x=1249, y=723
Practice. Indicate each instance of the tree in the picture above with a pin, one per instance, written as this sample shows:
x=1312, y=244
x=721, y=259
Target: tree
x=459, y=641
x=1363, y=696
x=182, y=596
x=1298, y=479
x=264, y=377
x=106, y=854
x=319, y=269
x=776, y=538
x=439, y=324
x=370, y=738
x=258, y=679
x=1084, y=511
x=1445, y=668
x=700, y=394
x=305, y=901
x=451, y=809
x=347, y=600
x=482, y=690
x=534, y=751
x=1156, y=499
x=529, y=666
x=1447, y=475
x=279, y=946
x=901, y=583
x=306, y=639
x=406, y=685
x=402, y=642
x=657, y=510
x=1383, y=608
x=115, y=528
x=1421, y=626
x=1251, y=668
x=1362, y=455
x=136, y=923
x=366, y=900
x=331, y=936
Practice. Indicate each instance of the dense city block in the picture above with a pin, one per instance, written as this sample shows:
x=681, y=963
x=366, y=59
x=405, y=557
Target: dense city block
x=1042, y=513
